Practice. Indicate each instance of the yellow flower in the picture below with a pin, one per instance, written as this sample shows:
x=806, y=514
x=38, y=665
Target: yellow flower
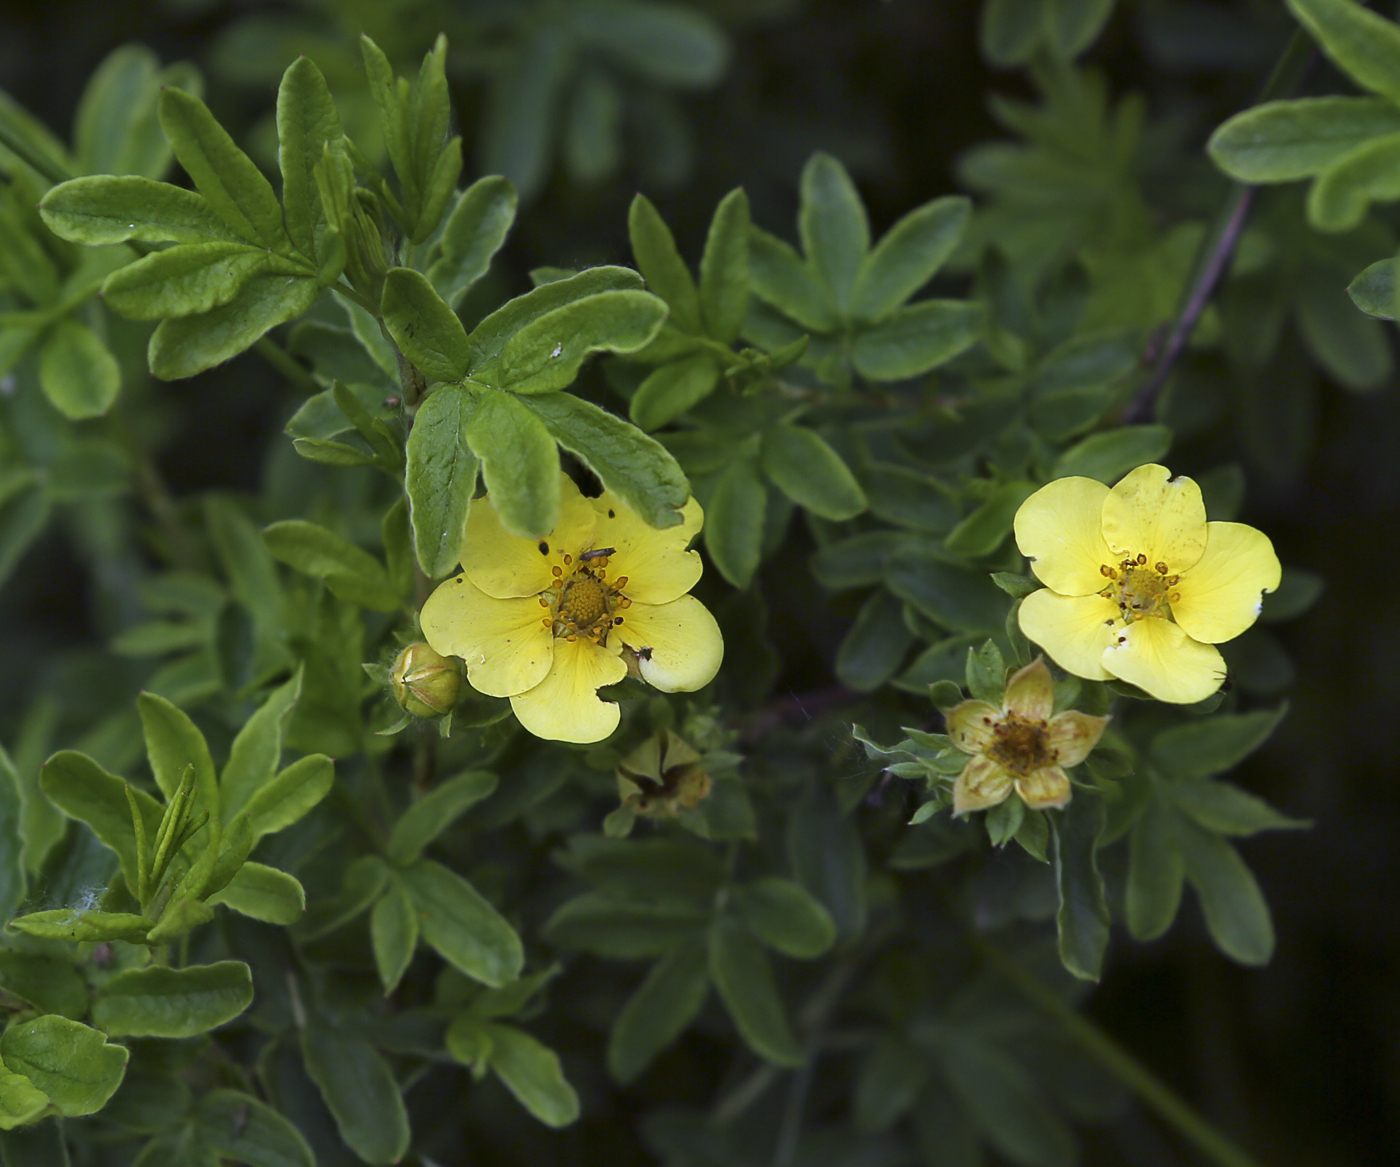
x=1020, y=746
x=545, y=621
x=1138, y=585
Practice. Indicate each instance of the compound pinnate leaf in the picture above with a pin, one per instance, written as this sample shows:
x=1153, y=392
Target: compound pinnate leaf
x=424, y=326
x=908, y=255
x=70, y=1062
x=173, y=1002
x=916, y=339
x=835, y=231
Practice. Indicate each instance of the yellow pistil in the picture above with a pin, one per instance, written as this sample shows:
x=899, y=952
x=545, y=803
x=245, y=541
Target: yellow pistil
x=1140, y=590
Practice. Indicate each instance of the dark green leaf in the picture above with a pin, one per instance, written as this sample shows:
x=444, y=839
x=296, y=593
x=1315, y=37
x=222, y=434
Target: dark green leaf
x=1155, y=871
x=910, y=499
x=1228, y=810
x=832, y=222
x=743, y=976
x=359, y=1088
x=351, y=573
x=734, y=523
x=1235, y=911
x=916, y=339
x=1340, y=197
x=668, y=44
x=661, y=265
x=779, y=276
x=237, y=1126
x=437, y=810
x=81, y=789
x=1280, y=141
x=876, y=645
x=660, y=1010
x=264, y=893
x=827, y=856
x=785, y=916
x=1083, y=916
x=440, y=478
x=462, y=926
x=49, y=983
x=307, y=123
x=888, y=1085
x=531, y=1072
x=671, y=389
x=290, y=795
x=811, y=473
x=173, y=1002
x=724, y=269
x=393, y=928
x=1373, y=291
x=1209, y=746
x=907, y=256
x=953, y=596
x=984, y=530
x=622, y=929
x=1110, y=455
x=1364, y=44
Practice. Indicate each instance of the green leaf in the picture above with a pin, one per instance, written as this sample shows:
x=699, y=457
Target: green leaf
x=1155, y=871
x=518, y=137
x=1110, y=455
x=82, y=790
x=185, y=345
x=116, y=130
x=661, y=265
x=475, y=230
x=1011, y=30
x=786, y=917
x=671, y=389
x=908, y=255
x=39, y=1145
x=307, y=123
x=621, y=929
x=174, y=744
x=1082, y=919
x=724, y=269
x=671, y=45
x=986, y=673
x=888, y=1085
x=440, y=478
x=1366, y=46
x=1373, y=291
x=20, y=1102
x=1212, y=745
x=462, y=926
x=744, y=978
x=546, y=354
x=105, y=209
x=263, y=893
x=531, y=1072
x=734, y=522
x=635, y=467
x=916, y=338
x=72, y=1063
x=193, y=277
x=1353, y=349
x=237, y=1126
x=663, y=1006
x=1235, y=911
x=1342, y=194
x=827, y=856
x=173, y=1002
x=910, y=499
x=359, y=1089
x=257, y=749
x=832, y=222
x=351, y=573
x=489, y=338
x=874, y=648
x=778, y=275
x=1281, y=141
x=231, y=184
x=49, y=983
x=949, y=594
x=70, y=924
x=984, y=530
x=393, y=928
x=78, y=373
x=1228, y=810
x=811, y=473
x=519, y=462
x=424, y=326
x=437, y=810
x=1071, y=26
x=290, y=795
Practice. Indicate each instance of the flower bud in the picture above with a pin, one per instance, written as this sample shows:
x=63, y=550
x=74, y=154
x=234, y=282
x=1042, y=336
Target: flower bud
x=662, y=777
x=425, y=683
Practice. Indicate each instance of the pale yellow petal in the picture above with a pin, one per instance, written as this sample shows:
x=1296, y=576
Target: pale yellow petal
x=1030, y=692
x=1158, y=657
x=1151, y=513
x=1073, y=736
x=505, y=643
x=1044, y=789
x=653, y=560
x=678, y=645
x=1220, y=596
x=981, y=784
x=971, y=725
x=1059, y=530
x=1074, y=630
x=565, y=706
x=505, y=565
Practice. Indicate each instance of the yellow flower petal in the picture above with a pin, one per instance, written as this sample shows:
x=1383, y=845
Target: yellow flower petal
x=505, y=643
x=565, y=706
x=655, y=562
x=505, y=565
x=1153, y=514
x=1074, y=630
x=1030, y=692
x=971, y=725
x=1059, y=529
x=678, y=645
x=1220, y=596
x=981, y=784
x=1044, y=788
x=1157, y=656
x=1073, y=735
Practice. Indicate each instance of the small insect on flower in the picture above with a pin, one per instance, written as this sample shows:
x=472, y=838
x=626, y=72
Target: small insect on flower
x=548, y=622
x=1139, y=586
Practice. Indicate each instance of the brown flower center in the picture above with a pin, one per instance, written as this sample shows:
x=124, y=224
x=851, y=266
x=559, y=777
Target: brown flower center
x=1139, y=589
x=1020, y=746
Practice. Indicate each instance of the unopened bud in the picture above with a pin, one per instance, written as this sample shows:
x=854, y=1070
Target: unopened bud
x=425, y=682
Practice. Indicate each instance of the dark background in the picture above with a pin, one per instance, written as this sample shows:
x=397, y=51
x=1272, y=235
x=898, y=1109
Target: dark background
x=1300, y=1060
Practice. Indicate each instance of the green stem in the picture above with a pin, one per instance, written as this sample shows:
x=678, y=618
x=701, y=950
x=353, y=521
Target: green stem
x=1169, y=1105
x=281, y=360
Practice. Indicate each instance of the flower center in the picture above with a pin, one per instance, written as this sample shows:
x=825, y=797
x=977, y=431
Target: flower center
x=583, y=602
x=1020, y=746
x=1140, y=590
